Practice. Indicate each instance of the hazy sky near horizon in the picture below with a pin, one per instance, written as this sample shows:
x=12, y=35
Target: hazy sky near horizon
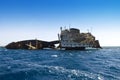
x=42, y=19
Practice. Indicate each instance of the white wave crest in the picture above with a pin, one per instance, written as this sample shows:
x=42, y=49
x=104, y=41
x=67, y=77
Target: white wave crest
x=70, y=73
x=54, y=56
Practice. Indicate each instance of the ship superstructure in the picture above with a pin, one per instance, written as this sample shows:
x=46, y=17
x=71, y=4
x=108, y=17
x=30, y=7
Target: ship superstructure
x=73, y=39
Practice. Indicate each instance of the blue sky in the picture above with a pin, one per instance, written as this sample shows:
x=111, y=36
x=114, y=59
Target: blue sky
x=41, y=19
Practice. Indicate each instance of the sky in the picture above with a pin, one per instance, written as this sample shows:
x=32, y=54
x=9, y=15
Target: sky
x=42, y=19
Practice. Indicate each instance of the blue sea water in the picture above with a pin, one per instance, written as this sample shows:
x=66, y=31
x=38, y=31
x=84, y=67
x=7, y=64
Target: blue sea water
x=99, y=64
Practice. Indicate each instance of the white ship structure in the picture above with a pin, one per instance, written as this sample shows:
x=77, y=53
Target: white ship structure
x=72, y=39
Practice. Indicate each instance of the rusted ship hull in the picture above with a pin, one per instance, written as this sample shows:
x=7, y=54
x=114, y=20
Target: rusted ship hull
x=74, y=48
x=31, y=44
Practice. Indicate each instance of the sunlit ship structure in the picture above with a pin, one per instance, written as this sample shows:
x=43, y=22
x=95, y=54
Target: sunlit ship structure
x=72, y=39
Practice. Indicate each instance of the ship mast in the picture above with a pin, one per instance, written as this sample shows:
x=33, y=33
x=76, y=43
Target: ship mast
x=36, y=44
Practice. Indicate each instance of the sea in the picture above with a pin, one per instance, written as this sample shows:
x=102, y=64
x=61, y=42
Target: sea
x=47, y=64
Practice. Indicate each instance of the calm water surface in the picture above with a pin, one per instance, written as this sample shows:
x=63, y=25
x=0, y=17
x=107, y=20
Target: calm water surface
x=101, y=64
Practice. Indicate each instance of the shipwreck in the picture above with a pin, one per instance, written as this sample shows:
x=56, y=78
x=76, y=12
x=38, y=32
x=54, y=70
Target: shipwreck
x=68, y=39
x=32, y=44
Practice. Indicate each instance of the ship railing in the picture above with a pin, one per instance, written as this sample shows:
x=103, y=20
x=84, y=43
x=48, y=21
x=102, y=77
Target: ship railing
x=76, y=45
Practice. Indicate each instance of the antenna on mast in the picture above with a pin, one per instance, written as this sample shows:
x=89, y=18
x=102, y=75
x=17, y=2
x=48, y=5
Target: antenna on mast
x=65, y=27
x=88, y=30
x=91, y=30
x=69, y=26
x=60, y=28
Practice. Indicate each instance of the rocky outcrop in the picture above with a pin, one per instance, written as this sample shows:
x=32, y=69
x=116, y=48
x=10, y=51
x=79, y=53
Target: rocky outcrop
x=96, y=44
x=89, y=39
